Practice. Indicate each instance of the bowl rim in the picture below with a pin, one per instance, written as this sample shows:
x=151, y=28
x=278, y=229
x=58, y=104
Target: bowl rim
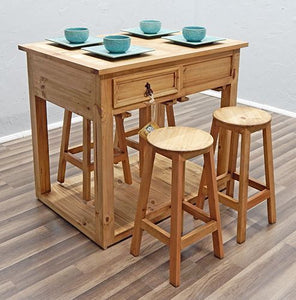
x=194, y=28
x=150, y=21
x=75, y=29
x=116, y=37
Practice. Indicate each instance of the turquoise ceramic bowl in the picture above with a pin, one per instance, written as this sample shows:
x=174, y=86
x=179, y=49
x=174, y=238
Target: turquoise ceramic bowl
x=150, y=26
x=76, y=35
x=194, y=33
x=117, y=43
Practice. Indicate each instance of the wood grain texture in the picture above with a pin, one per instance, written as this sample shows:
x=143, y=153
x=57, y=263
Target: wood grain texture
x=43, y=257
x=165, y=52
x=180, y=139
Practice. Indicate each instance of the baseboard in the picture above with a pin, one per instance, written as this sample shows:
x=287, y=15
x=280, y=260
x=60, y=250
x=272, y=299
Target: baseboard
x=77, y=119
x=26, y=133
x=255, y=104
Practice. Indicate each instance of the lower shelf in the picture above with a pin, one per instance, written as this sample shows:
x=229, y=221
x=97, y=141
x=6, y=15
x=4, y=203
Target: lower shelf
x=65, y=199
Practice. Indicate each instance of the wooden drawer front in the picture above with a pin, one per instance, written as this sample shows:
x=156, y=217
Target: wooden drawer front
x=130, y=89
x=207, y=71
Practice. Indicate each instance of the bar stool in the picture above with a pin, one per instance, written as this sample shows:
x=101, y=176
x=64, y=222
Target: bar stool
x=170, y=117
x=179, y=144
x=243, y=121
x=85, y=164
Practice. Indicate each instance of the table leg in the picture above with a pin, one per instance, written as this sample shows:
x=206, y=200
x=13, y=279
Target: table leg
x=40, y=145
x=103, y=166
x=228, y=98
x=39, y=137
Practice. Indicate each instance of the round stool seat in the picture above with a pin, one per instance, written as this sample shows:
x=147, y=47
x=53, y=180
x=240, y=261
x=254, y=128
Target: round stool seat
x=180, y=139
x=242, y=116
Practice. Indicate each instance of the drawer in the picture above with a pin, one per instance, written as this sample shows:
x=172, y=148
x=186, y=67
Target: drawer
x=130, y=89
x=207, y=71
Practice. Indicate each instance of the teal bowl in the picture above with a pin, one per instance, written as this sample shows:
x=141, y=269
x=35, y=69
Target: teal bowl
x=150, y=26
x=117, y=43
x=194, y=33
x=76, y=35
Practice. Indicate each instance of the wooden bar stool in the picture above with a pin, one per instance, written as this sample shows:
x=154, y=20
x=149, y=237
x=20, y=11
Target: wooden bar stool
x=164, y=108
x=179, y=144
x=243, y=121
x=170, y=117
x=85, y=164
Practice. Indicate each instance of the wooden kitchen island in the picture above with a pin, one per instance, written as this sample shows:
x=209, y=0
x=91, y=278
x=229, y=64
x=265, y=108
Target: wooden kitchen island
x=97, y=89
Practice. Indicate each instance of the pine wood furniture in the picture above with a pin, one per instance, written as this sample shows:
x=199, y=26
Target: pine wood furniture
x=179, y=144
x=242, y=121
x=121, y=140
x=85, y=164
x=98, y=89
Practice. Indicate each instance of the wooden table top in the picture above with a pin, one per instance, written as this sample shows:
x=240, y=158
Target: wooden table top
x=165, y=52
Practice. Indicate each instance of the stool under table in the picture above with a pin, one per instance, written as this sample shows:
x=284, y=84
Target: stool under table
x=179, y=144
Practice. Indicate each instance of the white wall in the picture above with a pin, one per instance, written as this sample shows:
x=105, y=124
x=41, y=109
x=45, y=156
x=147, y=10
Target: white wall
x=25, y=21
x=268, y=65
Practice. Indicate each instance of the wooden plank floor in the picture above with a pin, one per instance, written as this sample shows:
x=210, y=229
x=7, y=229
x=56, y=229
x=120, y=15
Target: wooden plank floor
x=43, y=257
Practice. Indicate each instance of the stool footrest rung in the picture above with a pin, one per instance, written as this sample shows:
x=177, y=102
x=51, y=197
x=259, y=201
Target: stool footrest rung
x=252, y=201
x=77, y=162
x=198, y=233
x=156, y=231
x=133, y=144
x=132, y=132
x=78, y=149
x=165, y=209
x=252, y=182
x=221, y=181
x=196, y=212
x=258, y=198
x=118, y=155
x=228, y=201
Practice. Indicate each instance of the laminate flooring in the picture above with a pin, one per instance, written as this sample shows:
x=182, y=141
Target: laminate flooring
x=44, y=257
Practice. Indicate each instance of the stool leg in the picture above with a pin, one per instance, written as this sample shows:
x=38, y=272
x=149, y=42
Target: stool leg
x=213, y=202
x=232, y=162
x=143, y=199
x=115, y=141
x=183, y=193
x=64, y=145
x=201, y=196
x=243, y=187
x=170, y=114
x=86, y=152
x=144, y=118
x=159, y=115
x=123, y=147
x=268, y=160
x=178, y=163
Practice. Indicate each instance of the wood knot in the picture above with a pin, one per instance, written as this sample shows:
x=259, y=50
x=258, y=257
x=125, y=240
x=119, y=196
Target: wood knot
x=99, y=110
x=107, y=220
